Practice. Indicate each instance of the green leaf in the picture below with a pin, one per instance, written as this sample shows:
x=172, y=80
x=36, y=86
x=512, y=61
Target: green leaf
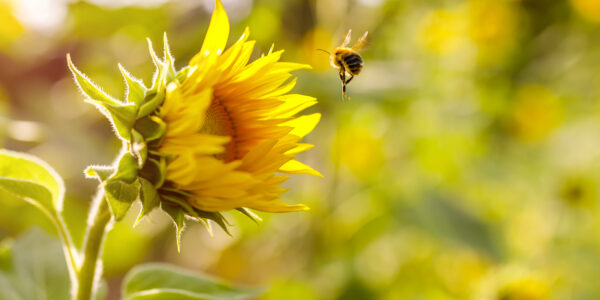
x=102, y=173
x=149, y=197
x=136, y=90
x=91, y=90
x=34, y=193
x=31, y=179
x=120, y=196
x=38, y=269
x=165, y=282
x=5, y=254
x=127, y=170
x=34, y=267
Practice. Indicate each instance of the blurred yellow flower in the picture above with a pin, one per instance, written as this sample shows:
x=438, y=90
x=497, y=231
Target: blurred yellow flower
x=516, y=282
x=536, y=113
x=524, y=289
x=361, y=151
x=588, y=9
x=442, y=31
x=493, y=28
x=231, y=126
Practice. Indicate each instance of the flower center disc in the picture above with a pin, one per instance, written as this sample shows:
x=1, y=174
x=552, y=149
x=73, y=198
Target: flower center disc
x=218, y=122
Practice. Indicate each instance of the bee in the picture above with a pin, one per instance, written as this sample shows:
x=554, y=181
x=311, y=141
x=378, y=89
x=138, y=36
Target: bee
x=347, y=60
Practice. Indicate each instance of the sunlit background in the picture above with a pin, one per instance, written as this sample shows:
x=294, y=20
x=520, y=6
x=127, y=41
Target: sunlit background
x=465, y=166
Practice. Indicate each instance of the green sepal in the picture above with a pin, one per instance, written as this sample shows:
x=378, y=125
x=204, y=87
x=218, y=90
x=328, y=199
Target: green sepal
x=157, y=62
x=159, y=82
x=102, y=173
x=120, y=195
x=182, y=75
x=168, y=58
x=149, y=198
x=248, y=213
x=154, y=171
x=177, y=214
x=139, y=148
x=122, y=116
x=127, y=170
x=151, y=128
x=136, y=90
x=152, y=102
x=91, y=90
x=216, y=217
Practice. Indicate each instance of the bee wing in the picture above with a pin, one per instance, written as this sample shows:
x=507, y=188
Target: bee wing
x=346, y=39
x=361, y=42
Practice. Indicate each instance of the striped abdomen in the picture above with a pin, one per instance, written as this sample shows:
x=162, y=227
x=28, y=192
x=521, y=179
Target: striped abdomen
x=353, y=63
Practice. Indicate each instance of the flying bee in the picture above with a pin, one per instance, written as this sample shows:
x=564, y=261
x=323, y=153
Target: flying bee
x=347, y=60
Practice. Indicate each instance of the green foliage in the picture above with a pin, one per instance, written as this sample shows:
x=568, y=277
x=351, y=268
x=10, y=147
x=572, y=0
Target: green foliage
x=121, y=115
x=32, y=267
x=136, y=124
x=32, y=180
x=136, y=90
x=177, y=214
x=165, y=282
x=120, y=196
x=149, y=197
x=151, y=128
x=36, y=271
x=121, y=184
x=102, y=173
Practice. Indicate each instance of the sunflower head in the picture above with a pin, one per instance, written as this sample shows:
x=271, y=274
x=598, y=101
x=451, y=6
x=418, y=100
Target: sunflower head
x=213, y=136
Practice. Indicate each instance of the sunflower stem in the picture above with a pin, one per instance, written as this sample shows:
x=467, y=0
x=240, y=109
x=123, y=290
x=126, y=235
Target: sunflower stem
x=90, y=269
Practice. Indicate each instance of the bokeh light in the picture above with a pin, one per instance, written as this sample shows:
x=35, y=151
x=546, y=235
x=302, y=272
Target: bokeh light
x=465, y=166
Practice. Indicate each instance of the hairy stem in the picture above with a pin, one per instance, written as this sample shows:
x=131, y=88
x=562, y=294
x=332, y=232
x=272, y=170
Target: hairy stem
x=90, y=271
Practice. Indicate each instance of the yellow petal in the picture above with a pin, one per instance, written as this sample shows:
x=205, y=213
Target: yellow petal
x=277, y=206
x=292, y=104
x=301, y=147
x=303, y=124
x=218, y=31
x=296, y=167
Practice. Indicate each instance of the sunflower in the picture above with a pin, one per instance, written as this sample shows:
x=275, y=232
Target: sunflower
x=230, y=126
x=211, y=137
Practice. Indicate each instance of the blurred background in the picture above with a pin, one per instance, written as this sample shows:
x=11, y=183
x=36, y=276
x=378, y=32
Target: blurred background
x=465, y=166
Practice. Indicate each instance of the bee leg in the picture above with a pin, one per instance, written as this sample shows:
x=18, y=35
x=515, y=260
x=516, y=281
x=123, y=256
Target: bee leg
x=350, y=79
x=343, y=78
x=346, y=83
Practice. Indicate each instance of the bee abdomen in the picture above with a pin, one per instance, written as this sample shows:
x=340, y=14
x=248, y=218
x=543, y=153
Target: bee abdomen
x=354, y=63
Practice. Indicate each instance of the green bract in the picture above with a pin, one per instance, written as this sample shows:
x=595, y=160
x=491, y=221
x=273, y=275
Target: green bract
x=139, y=171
